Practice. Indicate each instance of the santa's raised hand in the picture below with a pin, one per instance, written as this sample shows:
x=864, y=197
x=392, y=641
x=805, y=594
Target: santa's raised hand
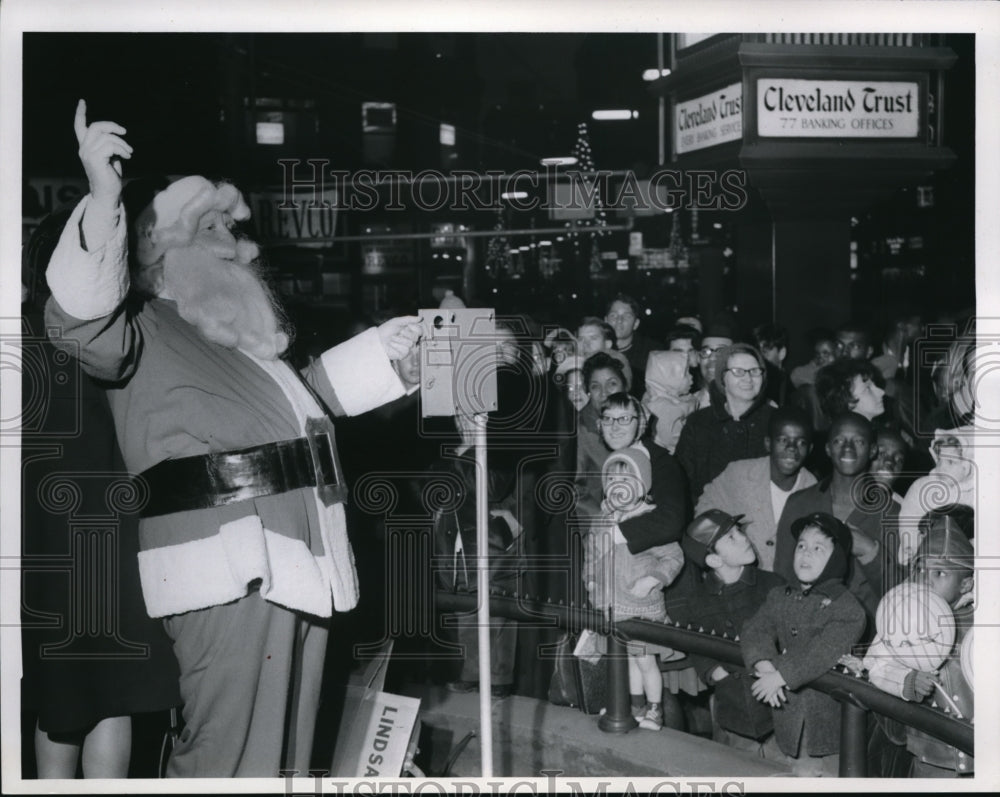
x=102, y=150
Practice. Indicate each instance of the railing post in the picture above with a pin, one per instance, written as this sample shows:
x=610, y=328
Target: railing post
x=853, y=741
x=617, y=717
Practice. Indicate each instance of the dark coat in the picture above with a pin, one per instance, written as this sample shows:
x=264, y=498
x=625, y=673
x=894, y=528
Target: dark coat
x=700, y=598
x=667, y=522
x=704, y=601
x=867, y=582
x=804, y=634
x=712, y=438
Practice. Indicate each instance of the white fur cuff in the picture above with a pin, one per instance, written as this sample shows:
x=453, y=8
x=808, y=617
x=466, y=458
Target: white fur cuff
x=361, y=374
x=89, y=285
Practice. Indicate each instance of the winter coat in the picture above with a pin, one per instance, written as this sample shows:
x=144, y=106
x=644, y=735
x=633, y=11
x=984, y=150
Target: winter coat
x=611, y=570
x=744, y=488
x=890, y=676
x=665, y=373
x=177, y=395
x=712, y=438
x=804, y=633
x=699, y=597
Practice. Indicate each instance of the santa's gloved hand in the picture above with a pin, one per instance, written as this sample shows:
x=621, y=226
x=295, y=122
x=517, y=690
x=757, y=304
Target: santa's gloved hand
x=398, y=335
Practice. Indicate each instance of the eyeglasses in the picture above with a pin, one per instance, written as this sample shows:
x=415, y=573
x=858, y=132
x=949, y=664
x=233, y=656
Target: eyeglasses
x=708, y=352
x=623, y=420
x=620, y=317
x=739, y=373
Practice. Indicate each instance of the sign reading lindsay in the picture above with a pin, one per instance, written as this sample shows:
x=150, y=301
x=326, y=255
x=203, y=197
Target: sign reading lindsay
x=709, y=120
x=789, y=108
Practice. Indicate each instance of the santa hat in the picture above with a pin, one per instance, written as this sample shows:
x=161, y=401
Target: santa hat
x=171, y=219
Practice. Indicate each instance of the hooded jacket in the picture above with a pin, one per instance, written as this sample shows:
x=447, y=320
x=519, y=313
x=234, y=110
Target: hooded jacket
x=712, y=438
x=665, y=373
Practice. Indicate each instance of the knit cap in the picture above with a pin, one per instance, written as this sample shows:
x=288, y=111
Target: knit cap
x=638, y=462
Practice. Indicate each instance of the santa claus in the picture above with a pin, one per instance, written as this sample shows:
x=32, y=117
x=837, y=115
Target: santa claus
x=243, y=547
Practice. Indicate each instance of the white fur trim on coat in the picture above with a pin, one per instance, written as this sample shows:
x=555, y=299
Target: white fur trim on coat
x=89, y=285
x=216, y=570
x=361, y=374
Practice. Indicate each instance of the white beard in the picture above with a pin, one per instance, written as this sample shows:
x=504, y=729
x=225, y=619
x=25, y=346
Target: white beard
x=225, y=300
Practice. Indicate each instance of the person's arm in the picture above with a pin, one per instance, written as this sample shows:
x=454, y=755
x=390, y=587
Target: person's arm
x=841, y=629
x=669, y=561
x=88, y=273
x=866, y=551
x=885, y=672
x=357, y=375
x=667, y=521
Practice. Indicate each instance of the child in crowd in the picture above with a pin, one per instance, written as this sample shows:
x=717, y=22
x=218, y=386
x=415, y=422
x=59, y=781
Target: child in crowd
x=797, y=635
x=632, y=583
x=952, y=480
x=569, y=376
x=668, y=395
x=917, y=655
x=721, y=589
x=890, y=456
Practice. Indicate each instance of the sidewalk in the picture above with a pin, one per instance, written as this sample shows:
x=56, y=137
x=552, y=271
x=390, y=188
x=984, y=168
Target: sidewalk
x=532, y=735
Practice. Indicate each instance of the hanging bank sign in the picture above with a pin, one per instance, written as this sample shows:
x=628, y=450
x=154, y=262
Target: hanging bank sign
x=792, y=108
x=709, y=120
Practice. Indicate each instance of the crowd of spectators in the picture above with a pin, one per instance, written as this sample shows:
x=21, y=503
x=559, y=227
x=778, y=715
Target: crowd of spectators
x=801, y=497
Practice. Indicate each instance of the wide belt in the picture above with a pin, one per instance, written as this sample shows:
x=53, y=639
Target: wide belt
x=228, y=477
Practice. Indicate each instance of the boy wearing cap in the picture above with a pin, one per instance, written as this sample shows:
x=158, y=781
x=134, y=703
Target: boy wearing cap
x=632, y=583
x=722, y=588
x=797, y=635
x=922, y=660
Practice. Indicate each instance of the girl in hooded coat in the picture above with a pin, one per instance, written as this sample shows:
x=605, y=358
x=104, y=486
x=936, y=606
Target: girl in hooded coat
x=798, y=634
x=668, y=395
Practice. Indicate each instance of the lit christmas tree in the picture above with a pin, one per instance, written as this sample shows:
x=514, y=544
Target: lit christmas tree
x=678, y=251
x=498, y=251
x=585, y=164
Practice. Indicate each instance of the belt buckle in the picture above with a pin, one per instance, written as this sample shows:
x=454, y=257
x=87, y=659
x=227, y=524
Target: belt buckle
x=330, y=483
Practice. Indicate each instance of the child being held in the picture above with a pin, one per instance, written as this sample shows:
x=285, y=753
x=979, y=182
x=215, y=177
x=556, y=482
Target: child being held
x=918, y=653
x=721, y=589
x=668, y=395
x=632, y=584
x=952, y=480
x=797, y=635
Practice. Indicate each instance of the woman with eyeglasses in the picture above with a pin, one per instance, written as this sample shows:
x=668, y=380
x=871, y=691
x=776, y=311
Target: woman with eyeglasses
x=623, y=422
x=734, y=425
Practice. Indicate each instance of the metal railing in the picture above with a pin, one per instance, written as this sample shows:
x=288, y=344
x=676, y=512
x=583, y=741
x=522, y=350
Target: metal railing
x=856, y=695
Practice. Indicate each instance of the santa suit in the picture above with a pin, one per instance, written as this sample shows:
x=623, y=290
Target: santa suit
x=227, y=577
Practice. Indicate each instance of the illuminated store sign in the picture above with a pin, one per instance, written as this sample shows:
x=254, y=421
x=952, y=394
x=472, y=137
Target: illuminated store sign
x=709, y=120
x=837, y=109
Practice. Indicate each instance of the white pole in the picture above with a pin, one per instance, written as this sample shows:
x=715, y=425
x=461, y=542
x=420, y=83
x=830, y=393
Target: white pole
x=662, y=103
x=483, y=588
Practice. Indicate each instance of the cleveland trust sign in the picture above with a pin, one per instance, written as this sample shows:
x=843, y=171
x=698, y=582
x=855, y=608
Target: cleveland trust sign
x=845, y=108
x=822, y=131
